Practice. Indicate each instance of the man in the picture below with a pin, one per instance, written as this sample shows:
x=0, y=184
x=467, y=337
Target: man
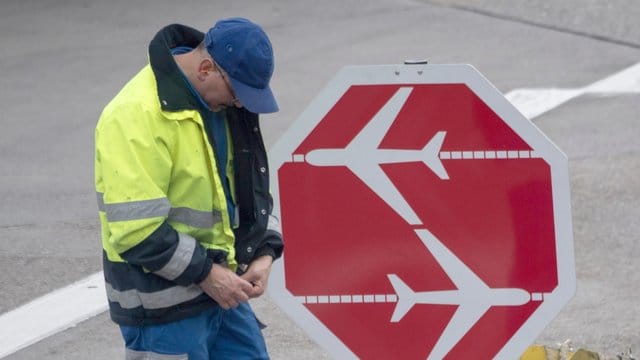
x=183, y=195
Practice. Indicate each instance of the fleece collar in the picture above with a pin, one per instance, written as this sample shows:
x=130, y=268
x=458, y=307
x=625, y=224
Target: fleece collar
x=173, y=89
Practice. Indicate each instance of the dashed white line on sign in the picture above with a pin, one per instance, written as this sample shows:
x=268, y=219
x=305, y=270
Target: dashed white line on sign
x=348, y=299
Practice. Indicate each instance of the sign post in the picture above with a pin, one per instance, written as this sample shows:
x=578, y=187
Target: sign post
x=423, y=216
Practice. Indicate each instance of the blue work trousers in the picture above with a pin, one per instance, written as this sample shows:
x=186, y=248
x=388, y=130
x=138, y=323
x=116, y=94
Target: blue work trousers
x=214, y=334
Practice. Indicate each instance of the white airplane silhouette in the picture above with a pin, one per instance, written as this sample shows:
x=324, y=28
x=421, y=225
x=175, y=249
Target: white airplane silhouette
x=473, y=296
x=363, y=157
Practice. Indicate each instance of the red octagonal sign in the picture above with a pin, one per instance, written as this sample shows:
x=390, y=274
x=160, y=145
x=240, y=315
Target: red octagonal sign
x=424, y=217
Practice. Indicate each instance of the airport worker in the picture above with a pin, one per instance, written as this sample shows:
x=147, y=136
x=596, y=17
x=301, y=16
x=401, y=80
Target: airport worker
x=182, y=182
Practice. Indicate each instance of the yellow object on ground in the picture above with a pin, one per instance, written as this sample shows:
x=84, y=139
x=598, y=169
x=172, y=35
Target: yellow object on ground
x=539, y=352
x=535, y=352
x=583, y=354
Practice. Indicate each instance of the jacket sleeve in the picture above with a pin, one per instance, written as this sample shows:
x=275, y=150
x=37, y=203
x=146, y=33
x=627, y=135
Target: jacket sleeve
x=133, y=169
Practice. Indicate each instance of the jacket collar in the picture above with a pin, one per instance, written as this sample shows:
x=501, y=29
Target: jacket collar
x=173, y=91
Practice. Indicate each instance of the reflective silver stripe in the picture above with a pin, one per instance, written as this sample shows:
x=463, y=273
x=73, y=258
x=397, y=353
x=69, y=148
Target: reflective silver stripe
x=195, y=218
x=135, y=210
x=236, y=217
x=130, y=299
x=100, y=197
x=149, y=355
x=161, y=207
x=181, y=258
x=274, y=224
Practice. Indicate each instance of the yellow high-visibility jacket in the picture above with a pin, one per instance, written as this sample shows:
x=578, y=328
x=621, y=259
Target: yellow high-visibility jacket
x=161, y=201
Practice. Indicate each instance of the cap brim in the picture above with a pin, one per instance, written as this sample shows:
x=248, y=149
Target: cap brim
x=260, y=101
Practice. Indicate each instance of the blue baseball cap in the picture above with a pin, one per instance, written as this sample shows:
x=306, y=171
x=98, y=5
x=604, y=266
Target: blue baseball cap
x=244, y=52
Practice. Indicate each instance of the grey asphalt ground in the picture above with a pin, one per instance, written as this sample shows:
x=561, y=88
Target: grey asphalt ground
x=62, y=61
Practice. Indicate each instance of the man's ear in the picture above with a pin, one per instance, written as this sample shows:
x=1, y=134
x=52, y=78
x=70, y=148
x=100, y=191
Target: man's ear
x=204, y=68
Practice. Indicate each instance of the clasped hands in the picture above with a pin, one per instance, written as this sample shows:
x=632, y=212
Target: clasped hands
x=229, y=290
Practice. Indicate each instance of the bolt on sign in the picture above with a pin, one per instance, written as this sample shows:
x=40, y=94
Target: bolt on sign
x=424, y=217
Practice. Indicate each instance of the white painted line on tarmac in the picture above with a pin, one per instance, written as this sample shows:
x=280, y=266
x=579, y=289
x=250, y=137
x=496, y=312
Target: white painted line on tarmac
x=52, y=313
x=625, y=81
x=66, y=307
x=535, y=102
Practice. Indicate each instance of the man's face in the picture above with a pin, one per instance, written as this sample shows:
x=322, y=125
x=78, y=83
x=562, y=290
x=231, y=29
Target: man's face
x=215, y=89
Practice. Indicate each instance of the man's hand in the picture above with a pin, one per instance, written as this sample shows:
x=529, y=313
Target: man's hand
x=225, y=287
x=258, y=275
